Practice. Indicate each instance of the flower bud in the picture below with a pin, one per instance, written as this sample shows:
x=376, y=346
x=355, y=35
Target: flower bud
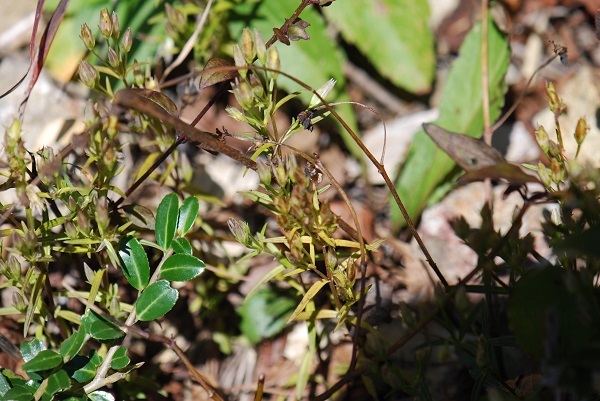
x=264, y=172
x=87, y=37
x=273, y=61
x=330, y=258
x=248, y=49
x=553, y=149
x=554, y=102
x=138, y=75
x=105, y=24
x=116, y=29
x=542, y=138
x=113, y=58
x=70, y=230
x=88, y=74
x=127, y=40
x=239, y=60
x=544, y=175
x=581, y=131
x=83, y=222
x=243, y=94
x=557, y=172
x=241, y=231
x=235, y=114
x=323, y=91
x=261, y=48
x=257, y=86
x=175, y=18
x=102, y=217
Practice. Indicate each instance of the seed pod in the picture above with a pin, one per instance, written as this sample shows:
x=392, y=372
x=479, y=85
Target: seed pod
x=542, y=138
x=261, y=49
x=273, y=61
x=248, y=49
x=113, y=58
x=116, y=29
x=87, y=37
x=127, y=40
x=105, y=24
x=88, y=74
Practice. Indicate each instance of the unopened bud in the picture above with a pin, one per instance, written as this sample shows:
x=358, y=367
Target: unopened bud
x=175, y=18
x=557, y=171
x=113, y=58
x=235, y=114
x=243, y=94
x=261, y=48
x=542, y=138
x=257, y=86
x=127, y=40
x=273, y=61
x=87, y=37
x=323, y=91
x=83, y=222
x=70, y=230
x=116, y=29
x=138, y=75
x=248, y=49
x=554, y=102
x=330, y=258
x=553, y=149
x=102, y=217
x=581, y=130
x=264, y=172
x=105, y=24
x=241, y=231
x=239, y=60
x=88, y=74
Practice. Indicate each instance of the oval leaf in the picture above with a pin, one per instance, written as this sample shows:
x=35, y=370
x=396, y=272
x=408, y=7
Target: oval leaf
x=212, y=77
x=120, y=359
x=88, y=371
x=182, y=245
x=29, y=349
x=44, y=360
x=99, y=327
x=71, y=346
x=182, y=267
x=166, y=220
x=156, y=300
x=134, y=262
x=187, y=214
x=101, y=396
x=57, y=381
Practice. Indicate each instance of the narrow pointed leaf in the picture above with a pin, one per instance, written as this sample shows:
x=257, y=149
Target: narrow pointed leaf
x=156, y=300
x=182, y=267
x=134, y=262
x=44, y=360
x=310, y=294
x=187, y=214
x=166, y=220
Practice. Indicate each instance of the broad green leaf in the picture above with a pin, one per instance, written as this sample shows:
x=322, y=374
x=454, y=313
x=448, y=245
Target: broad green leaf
x=310, y=294
x=71, y=346
x=120, y=359
x=312, y=61
x=56, y=382
x=88, y=371
x=182, y=245
x=181, y=267
x=264, y=314
x=101, y=396
x=4, y=384
x=100, y=327
x=19, y=393
x=187, y=215
x=461, y=110
x=29, y=349
x=166, y=221
x=156, y=300
x=134, y=262
x=44, y=360
x=394, y=36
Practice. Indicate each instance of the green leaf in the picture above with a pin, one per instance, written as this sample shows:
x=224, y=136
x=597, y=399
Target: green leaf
x=134, y=262
x=394, y=35
x=265, y=314
x=187, y=215
x=88, y=371
x=156, y=300
x=101, y=396
x=29, y=349
x=166, y=221
x=461, y=111
x=312, y=61
x=182, y=245
x=310, y=294
x=120, y=359
x=44, y=360
x=56, y=382
x=181, y=267
x=4, y=384
x=19, y=393
x=71, y=346
x=100, y=327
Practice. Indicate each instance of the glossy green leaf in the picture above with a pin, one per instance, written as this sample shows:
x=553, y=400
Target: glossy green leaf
x=134, y=262
x=394, y=35
x=56, y=382
x=101, y=396
x=44, y=360
x=181, y=267
x=29, y=349
x=100, y=327
x=265, y=313
x=313, y=61
x=182, y=245
x=71, y=346
x=166, y=221
x=19, y=393
x=4, y=384
x=156, y=300
x=187, y=215
x=88, y=371
x=140, y=216
x=461, y=110
x=120, y=359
